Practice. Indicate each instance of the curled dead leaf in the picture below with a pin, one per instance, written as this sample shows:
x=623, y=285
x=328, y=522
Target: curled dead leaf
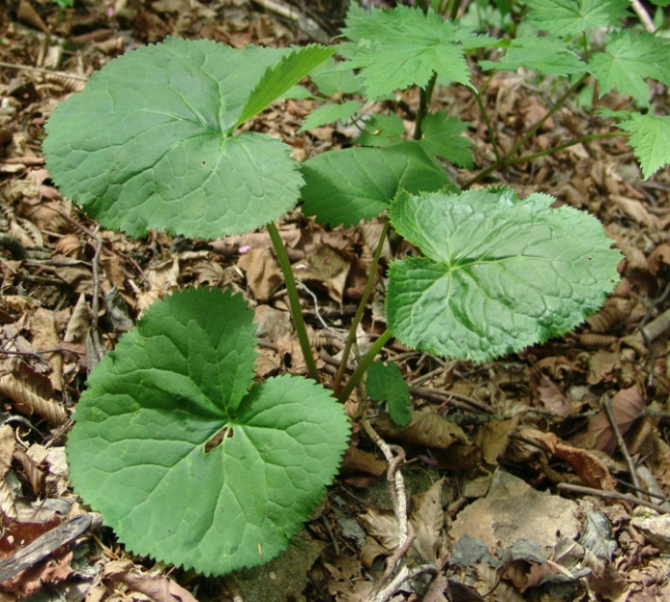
x=425, y=428
x=626, y=406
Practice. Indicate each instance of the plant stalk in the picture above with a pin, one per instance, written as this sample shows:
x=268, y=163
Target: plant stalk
x=489, y=126
x=368, y=358
x=294, y=301
x=424, y=105
x=550, y=151
x=361, y=309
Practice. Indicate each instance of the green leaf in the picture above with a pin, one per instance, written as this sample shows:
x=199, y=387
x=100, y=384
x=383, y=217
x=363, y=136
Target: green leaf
x=572, y=17
x=545, y=55
x=382, y=130
x=279, y=78
x=144, y=451
x=499, y=273
x=403, y=47
x=331, y=78
x=331, y=112
x=442, y=137
x=629, y=58
x=385, y=383
x=298, y=93
x=148, y=143
x=346, y=186
x=650, y=139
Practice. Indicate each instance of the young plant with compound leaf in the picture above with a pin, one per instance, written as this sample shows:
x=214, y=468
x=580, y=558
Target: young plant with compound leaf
x=188, y=458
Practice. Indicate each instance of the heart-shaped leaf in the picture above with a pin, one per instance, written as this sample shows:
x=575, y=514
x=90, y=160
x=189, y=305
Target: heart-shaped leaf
x=185, y=461
x=346, y=186
x=499, y=273
x=149, y=142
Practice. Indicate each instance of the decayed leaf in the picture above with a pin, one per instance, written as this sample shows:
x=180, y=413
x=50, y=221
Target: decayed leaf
x=263, y=273
x=626, y=407
x=45, y=341
x=27, y=395
x=427, y=518
x=513, y=510
x=157, y=587
x=493, y=438
x=549, y=394
x=425, y=428
x=591, y=470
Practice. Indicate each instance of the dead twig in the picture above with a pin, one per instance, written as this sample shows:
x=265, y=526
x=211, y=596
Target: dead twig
x=607, y=406
x=396, y=571
x=612, y=495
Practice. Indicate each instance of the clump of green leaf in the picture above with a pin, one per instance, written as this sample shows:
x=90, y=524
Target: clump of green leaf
x=498, y=273
x=185, y=456
x=151, y=142
x=385, y=383
x=189, y=459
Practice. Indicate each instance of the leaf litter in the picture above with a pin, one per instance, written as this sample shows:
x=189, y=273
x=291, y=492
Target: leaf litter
x=487, y=445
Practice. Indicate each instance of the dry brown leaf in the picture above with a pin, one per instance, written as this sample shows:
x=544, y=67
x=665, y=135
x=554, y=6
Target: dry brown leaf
x=513, y=510
x=383, y=527
x=157, y=587
x=591, y=470
x=262, y=272
x=45, y=340
x=31, y=393
x=548, y=394
x=626, y=407
x=325, y=267
x=427, y=518
x=602, y=367
x=659, y=258
x=356, y=460
x=493, y=438
x=425, y=428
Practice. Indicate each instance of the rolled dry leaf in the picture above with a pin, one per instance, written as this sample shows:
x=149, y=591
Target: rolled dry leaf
x=27, y=401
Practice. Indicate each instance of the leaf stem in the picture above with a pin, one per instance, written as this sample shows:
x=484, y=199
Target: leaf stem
x=424, y=105
x=492, y=135
x=294, y=301
x=361, y=309
x=368, y=358
x=550, y=151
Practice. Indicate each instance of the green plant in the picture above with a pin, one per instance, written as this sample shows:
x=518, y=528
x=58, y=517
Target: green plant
x=395, y=50
x=187, y=458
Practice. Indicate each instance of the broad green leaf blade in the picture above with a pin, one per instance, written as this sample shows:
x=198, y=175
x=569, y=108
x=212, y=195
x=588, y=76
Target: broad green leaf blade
x=545, y=55
x=331, y=77
x=442, y=137
x=382, y=130
x=148, y=143
x=650, y=139
x=629, y=58
x=572, y=17
x=403, y=47
x=329, y=113
x=279, y=78
x=499, y=273
x=144, y=451
x=385, y=383
x=346, y=186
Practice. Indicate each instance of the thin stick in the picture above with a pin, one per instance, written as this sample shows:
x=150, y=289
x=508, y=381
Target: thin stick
x=643, y=15
x=550, y=151
x=294, y=301
x=612, y=495
x=368, y=358
x=622, y=444
x=395, y=456
x=95, y=302
x=82, y=78
x=361, y=308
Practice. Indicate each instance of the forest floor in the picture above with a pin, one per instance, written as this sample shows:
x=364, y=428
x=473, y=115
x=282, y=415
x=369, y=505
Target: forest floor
x=519, y=487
